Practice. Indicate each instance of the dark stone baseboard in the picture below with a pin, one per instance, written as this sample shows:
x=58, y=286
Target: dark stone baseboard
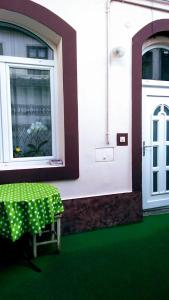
x=90, y=213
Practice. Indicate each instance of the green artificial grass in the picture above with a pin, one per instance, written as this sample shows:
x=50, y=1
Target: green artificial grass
x=128, y=262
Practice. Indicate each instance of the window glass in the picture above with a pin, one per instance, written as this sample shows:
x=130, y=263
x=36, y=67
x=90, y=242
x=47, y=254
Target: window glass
x=155, y=131
x=27, y=98
x=155, y=182
x=167, y=155
x=31, y=112
x=147, y=71
x=155, y=156
x=155, y=64
x=15, y=41
x=164, y=57
x=166, y=110
x=157, y=110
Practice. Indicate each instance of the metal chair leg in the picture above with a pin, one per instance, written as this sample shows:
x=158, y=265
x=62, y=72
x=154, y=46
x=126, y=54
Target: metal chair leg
x=34, y=246
x=55, y=236
x=58, y=222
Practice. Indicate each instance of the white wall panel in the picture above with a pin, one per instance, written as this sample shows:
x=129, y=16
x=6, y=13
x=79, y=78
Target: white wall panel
x=89, y=20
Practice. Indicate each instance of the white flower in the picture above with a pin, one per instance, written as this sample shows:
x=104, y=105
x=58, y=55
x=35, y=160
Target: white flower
x=29, y=131
x=35, y=127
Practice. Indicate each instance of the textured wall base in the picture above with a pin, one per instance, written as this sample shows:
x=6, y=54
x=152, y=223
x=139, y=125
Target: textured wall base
x=101, y=211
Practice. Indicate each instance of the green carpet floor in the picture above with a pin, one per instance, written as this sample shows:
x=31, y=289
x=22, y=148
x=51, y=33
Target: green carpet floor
x=122, y=263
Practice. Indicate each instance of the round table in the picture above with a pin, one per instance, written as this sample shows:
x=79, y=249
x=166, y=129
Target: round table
x=27, y=207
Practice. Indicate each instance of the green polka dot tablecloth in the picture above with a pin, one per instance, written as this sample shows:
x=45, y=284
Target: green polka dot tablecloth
x=27, y=207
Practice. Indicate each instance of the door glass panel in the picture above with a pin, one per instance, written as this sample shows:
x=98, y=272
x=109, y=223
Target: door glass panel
x=155, y=131
x=167, y=131
x=31, y=112
x=155, y=181
x=167, y=155
x=155, y=156
x=157, y=110
x=167, y=180
x=166, y=110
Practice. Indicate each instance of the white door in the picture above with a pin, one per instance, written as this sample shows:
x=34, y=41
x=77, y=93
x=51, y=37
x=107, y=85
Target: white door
x=155, y=144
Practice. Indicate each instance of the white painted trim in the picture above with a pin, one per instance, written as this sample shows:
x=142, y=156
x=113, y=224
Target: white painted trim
x=28, y=165
x=155, y=83
x=25, y=60
x=4, y=113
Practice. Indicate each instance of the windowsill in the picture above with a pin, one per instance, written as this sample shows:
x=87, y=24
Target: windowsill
x=23, y=166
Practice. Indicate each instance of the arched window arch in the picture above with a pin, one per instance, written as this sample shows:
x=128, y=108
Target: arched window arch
x=19, y=42
x=38, y=84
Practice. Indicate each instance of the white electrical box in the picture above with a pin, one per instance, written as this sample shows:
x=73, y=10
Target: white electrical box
x=104, y=154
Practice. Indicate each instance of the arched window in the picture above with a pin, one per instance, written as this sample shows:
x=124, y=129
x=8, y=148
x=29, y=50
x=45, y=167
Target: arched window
x=38, y=95
x=155, y=63
x=28, y=97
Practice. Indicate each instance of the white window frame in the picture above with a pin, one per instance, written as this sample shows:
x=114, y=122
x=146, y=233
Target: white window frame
x=6, y=148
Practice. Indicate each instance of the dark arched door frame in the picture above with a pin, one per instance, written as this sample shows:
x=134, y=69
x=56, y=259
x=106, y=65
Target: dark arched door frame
x=138, y=40
x=69, y=62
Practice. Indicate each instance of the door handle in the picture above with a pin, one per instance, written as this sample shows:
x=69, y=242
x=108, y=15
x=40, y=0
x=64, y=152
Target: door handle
x=145, y=146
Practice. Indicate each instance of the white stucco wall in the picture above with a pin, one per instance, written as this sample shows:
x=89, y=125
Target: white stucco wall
x=88, y=18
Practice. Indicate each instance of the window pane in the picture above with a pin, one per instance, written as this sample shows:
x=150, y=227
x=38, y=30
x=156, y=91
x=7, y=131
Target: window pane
x=31, y=112
x=155, y=64
x=147, y=65
x=15, y=41
x=155, y=131
x=164, y=54
x=155, y=156
x=155, y=181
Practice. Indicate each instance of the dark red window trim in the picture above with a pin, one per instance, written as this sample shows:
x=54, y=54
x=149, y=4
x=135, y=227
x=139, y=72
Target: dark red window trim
x=68, y=34
x=137, y=42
